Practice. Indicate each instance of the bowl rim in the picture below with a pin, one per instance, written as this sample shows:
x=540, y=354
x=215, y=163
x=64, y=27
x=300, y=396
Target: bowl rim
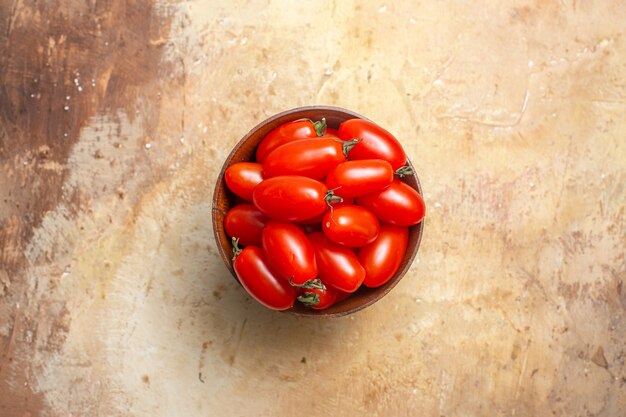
x=215, y=210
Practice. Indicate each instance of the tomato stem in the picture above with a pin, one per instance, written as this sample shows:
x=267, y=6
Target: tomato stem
x=310, y=284
x=236, y=249
x=348, y=145
x=320, y=127
x=309, y=299
x=330, y=197
x=404, y=171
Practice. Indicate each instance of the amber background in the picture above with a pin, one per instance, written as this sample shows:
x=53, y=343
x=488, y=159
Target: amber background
x=115, y=118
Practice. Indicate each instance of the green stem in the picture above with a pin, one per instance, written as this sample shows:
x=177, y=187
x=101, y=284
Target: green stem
x=404, y=171
x=236, y=249
x=309, y=299
x=310, y=284
x=330, y=197
x=348, y=145
x=320, y=127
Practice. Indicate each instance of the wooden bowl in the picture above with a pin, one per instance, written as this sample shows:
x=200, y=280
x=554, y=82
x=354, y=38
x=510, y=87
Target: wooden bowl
x=223, y=200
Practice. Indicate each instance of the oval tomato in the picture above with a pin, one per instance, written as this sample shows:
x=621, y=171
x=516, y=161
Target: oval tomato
x=290, y=198
x=245, y=222
x=259, y=279
x=397, y=204
x=288, y=132
x=352, y=226
x=357, y=178
x=319, y=299
x=335, y=202
x=331, y=132
x=376, y=142
x=382, y=258
x=242, y=177
x=312, y=158
x=289, y=251
x=337, y=265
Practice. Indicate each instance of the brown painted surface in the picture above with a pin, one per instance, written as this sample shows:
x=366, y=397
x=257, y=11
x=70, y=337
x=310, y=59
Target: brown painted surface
x=115, y=118
x=62, y=62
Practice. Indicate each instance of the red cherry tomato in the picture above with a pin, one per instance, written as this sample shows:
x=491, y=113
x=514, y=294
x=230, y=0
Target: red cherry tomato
x=345, y=201
x=246, y=223
x=337, y=265
x=331, y=132
x=242, y=177
x=397, y=204
x=313, y=221
x=342, y=296
x=290, y=198
x=382, y=258
x=289, y=251
x=319, y=299
x=312, y=158
x=352, y=226
x=288, y=132
x=376, y=142
x=357, y=178
x=259, y=279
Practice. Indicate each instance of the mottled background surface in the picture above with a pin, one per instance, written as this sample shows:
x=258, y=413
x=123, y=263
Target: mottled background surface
x=114, y=121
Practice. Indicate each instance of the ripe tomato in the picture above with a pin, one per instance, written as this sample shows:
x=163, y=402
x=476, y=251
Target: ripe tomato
x=357, y=178
x=242, y=177
x=331, y=132
x=343, y=201
x=288, y=132
x=376, y=142
x=291, y=198
x=289, y=251
x=352, y=226
x=382, y=258
x=246, y=223
x=312, y=158
x=259, y=279
x=397, y=204
x=319, y=299
x=337, y=265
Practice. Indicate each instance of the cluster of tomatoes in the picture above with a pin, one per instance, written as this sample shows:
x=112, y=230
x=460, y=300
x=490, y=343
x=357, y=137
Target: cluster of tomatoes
x=321, y=213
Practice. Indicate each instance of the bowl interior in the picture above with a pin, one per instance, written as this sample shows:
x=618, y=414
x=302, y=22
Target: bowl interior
x=223, y=200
